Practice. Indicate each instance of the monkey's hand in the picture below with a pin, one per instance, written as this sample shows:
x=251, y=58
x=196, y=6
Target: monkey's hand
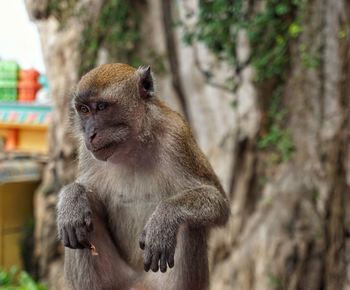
x=74, y=217
x=158, y=240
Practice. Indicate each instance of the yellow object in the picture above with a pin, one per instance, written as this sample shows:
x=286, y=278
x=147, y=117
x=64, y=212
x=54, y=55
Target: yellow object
x=16, y=210
x=30, y=137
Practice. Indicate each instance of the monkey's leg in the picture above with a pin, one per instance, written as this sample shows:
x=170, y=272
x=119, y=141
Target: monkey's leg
x=107, y=270
x=192, y=270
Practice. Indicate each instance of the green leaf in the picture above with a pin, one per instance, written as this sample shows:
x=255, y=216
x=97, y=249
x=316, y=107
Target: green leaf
x=294, y=29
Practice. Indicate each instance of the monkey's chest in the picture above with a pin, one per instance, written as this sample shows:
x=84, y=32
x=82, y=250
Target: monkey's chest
x=128, y=214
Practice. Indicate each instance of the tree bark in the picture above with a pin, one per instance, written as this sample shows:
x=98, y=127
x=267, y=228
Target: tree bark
x=288, y=228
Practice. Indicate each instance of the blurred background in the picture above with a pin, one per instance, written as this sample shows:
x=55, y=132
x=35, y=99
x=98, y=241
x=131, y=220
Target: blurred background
x=264, y=84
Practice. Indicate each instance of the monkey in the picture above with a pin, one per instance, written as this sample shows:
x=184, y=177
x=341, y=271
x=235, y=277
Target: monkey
x=145, y=195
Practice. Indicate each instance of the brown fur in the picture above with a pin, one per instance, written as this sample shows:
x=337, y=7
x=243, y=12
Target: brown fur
x=105, y=75
x=156, y=187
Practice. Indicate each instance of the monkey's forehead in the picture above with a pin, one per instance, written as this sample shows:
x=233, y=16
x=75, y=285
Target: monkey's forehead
x=105, y=75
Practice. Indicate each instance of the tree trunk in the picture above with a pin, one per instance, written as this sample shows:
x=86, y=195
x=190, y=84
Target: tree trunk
x=288, y=227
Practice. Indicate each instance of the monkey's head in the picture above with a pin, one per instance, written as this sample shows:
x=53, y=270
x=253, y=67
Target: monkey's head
x=110, y=104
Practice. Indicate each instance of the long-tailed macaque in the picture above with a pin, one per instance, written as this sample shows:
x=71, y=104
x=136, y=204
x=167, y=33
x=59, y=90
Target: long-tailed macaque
x=145, y=194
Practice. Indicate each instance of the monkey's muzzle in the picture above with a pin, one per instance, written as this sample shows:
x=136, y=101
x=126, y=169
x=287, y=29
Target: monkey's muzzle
x=105, y=143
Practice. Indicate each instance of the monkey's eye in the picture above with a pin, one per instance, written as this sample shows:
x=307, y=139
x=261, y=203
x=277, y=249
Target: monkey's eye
x=101, y=106
x=83, y=109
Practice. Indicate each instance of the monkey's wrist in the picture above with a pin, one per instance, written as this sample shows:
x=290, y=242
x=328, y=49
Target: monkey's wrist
x=168, y=211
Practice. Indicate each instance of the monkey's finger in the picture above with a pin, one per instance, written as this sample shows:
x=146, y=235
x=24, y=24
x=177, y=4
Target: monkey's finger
x=88, y=223
x=147, y=256
x=65, y=239
x=170, y=258
x=142, y=240
x=142, y=244
x=82, y=238
x=162, y=264
x=155, y=262
x=72, y=237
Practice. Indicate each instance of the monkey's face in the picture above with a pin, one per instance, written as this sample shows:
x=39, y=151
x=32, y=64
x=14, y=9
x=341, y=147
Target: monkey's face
x=110, y=109
x=104, y=133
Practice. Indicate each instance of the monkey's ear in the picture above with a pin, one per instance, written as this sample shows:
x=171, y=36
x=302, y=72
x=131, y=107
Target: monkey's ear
x=146, y=83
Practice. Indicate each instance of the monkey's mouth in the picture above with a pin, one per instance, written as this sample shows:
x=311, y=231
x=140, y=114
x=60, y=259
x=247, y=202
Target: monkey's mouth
x=106, y=151
x=105, y=147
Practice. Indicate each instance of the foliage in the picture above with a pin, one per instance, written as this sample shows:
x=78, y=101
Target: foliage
x=271, y=28
x=120, y=22
x=14, y=280
x=274, y=281
x=218, y=25
x=277, y=138
x=308, y=59
x=117, y=30
x=270, y=31
x=280, y=140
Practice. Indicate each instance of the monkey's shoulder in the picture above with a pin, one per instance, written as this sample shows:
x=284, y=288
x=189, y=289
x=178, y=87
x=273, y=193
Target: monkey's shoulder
x=188, y=154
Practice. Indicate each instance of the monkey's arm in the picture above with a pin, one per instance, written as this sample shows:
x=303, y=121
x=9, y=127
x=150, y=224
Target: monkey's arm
x=198, y=207
x=74, y=216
